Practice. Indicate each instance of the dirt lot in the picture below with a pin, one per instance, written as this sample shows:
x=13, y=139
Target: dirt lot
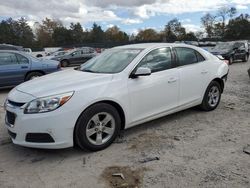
x=188, y=149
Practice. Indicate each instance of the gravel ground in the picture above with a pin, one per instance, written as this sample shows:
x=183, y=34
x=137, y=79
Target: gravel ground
x=188, y=149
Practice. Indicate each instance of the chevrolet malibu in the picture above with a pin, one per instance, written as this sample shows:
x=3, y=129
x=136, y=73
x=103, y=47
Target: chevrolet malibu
x=123, y=87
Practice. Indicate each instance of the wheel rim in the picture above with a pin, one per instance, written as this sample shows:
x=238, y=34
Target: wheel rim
x=100, y=128
x=34, y=77
x=213, y=96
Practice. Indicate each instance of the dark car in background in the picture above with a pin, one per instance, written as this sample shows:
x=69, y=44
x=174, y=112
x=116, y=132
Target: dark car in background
x=76, y=57
x=17, y=67
x=232, y=51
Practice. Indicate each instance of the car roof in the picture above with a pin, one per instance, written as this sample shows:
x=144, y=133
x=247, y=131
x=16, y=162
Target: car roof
x=13, y=51
x=153, y=45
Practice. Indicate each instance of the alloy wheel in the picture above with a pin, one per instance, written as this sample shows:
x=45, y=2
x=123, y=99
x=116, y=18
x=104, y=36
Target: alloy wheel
x=100, y=128
x=213, y=96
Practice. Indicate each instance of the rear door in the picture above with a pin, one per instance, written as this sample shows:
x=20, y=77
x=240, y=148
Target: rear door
x=240, y=51
x=13, y=68
x=194, y=75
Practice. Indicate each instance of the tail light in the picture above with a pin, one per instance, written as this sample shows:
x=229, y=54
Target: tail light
x=226, y=61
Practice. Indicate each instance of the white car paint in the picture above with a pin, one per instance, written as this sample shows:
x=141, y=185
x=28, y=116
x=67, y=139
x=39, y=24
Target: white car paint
x=142, y=99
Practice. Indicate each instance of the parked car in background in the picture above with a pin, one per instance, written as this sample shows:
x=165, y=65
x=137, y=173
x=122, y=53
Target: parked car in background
x=232, y=51
x=11, y=47
x=76, y=57
x=17, y=67
x=122, y=87
x=56, y=54
x=28, y=50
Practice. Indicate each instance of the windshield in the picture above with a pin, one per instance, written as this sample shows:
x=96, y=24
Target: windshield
x=111, y=61
x=224, y=46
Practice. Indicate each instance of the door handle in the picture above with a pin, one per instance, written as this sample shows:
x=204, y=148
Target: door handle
x=204, y=72
x=24, y=67
x=172, y=80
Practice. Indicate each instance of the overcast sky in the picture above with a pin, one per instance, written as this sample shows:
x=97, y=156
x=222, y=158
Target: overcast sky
x=129, y=15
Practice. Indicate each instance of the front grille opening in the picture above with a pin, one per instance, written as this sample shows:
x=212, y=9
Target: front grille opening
x=39, y=138
x=11, y=117
x=12, y=135
x=18, y=104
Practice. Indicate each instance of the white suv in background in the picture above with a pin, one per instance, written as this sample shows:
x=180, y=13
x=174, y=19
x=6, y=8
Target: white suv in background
x=122, y=87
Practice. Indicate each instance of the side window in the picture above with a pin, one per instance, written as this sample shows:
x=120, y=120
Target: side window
x=85, y=51
x=157, y=60
x=187, y=56
x=8, y=59
x=76, y=53
x=200, y=57
x=21, y=59
x=91, y=50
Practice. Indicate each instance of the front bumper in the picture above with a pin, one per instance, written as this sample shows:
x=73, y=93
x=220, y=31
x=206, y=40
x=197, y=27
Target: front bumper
x=58, y=124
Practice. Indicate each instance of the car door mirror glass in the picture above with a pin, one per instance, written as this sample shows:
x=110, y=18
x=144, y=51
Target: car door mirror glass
x=141, y=71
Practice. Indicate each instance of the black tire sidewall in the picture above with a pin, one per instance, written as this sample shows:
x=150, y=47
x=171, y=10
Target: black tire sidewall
x=80, y=129
x=30, y=75
x=64, y=63
x=205, y=105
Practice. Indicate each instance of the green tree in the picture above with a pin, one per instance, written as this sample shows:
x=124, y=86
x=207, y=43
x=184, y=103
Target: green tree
x=148, y=35
x=114, y=34
x=77, y=35
x=62, y=36
x=16, y=32
x=238, y=28
x=174, y=31
x=45, y=31
x=208, y=21
x=96, y=34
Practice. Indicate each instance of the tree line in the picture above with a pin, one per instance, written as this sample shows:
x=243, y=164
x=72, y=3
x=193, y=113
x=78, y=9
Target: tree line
x=224, y=25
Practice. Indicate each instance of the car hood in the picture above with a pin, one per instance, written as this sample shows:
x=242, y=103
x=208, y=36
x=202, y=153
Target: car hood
x=63, y=81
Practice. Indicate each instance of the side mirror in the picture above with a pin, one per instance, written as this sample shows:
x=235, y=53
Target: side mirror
x=141, y=71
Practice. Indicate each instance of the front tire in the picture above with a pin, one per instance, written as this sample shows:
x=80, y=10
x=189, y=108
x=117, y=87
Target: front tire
x=64, y=63
x=212, y=97
x=97, y=127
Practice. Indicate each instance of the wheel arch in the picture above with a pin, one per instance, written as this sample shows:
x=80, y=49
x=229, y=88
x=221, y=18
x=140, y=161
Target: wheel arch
x=221, y=82
x=30, y=71
x=112, y=103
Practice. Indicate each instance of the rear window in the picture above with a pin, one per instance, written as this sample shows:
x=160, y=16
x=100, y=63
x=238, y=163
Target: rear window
x=187, y=56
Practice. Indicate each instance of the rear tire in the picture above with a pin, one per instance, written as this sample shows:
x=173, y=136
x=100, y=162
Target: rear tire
x=245, y=59
x=97, y=127
x=33, y=75
x=212, y=97
x=231, y=60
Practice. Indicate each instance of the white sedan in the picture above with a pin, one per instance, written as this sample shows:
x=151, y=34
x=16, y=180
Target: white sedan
x=123, y=87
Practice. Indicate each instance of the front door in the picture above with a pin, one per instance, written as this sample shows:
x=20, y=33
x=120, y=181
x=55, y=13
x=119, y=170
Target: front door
x=157, y=93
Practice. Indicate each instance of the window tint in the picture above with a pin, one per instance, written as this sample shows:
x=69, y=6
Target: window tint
x=76, y=53
x=200, y=57
x=157, y=60
x=85, y=51
x=7, y=59
x=21, y=59
x=188, y=56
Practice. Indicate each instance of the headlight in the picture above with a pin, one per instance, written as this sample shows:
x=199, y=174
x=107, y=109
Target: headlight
x=47, y=104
